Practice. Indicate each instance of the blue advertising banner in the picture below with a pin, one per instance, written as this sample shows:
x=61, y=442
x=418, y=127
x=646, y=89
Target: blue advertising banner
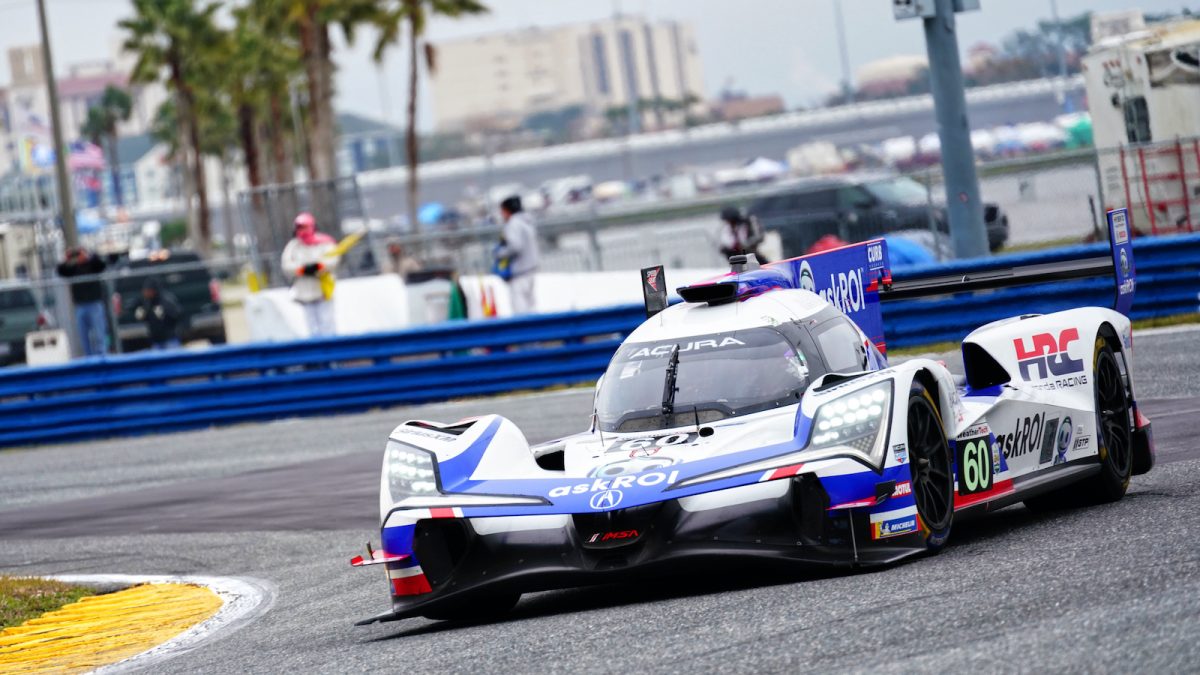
x=1120, y=239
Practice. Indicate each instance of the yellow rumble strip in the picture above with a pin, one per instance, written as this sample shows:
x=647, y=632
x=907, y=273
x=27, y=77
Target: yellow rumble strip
x=104, y=629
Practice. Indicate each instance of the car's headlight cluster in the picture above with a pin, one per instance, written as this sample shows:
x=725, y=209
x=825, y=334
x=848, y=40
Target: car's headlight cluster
x=410, y=472
x=855, y=422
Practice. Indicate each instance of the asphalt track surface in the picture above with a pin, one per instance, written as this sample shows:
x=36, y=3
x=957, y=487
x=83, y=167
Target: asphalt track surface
x=1114, y=588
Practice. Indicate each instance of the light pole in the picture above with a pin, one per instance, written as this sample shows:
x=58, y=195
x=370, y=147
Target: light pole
x=65, y=206
x=967, y=231
x=844, y=52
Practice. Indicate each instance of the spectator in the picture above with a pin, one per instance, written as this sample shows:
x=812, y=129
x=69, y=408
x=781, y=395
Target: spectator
x=88, y=296
x=160, y=311
x=308, y=261
x=399, y=262
x=516, y=257
x=740, y=233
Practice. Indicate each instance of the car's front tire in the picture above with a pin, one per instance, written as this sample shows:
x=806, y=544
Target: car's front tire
x=931, y=466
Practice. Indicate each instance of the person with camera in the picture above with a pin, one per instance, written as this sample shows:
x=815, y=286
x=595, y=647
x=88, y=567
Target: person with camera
x=740, y=233
x=91, y=320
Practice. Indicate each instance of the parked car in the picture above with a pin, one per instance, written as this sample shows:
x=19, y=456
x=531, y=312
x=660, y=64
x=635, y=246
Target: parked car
x=183, y=274
x=857, y=207
x=20, y=313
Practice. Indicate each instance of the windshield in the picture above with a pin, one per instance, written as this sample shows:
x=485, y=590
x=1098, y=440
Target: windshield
x=718, y=376
x=901, y=190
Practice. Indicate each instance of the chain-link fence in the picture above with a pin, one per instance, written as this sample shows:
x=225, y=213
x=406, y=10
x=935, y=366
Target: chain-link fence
x=269, y=211
x=207, y=295
x=1028, y=201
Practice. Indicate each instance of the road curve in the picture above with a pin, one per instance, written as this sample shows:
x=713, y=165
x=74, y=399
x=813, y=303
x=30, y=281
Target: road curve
x=1109, y=588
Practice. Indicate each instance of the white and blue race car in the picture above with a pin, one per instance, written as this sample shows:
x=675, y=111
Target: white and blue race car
x=759, y=418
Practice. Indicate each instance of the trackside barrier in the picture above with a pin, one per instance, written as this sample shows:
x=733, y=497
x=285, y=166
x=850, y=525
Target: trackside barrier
x=164, y=391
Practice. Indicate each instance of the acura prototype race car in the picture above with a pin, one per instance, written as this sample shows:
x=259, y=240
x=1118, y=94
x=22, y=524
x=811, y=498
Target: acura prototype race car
x=760, y=418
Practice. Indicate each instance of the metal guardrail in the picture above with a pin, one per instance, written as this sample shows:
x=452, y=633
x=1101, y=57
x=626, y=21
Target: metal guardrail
x=164, y=391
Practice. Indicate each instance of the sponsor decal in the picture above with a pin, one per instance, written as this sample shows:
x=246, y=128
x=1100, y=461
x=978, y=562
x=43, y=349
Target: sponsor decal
x=875, y=256
x=902, y=489
x=981, y=429
x=1062, y=383
x=1082, y=443
x=1063, y=442
x=895, y=522
x=976, y=466
x=647, y=479
x=1120, y=227
x=901, y=453
x=1124, y=263
x=613, y=537
x=428, y=433
x=894, y=527
x=807, y=282
x=845, y=291
x=1029, y=434
x=1046, y=355
x=608, y=499
x=697, y=345
x=652, y=277
x=645, y=447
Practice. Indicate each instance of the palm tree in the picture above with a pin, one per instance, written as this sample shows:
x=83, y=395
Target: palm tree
x=416, y=13
x=172, y=39
x=115, y=106
x=309, y=22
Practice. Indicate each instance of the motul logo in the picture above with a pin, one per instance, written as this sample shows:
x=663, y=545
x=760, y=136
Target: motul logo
x=603, y=537
x=652, y=278
x=1048, y=355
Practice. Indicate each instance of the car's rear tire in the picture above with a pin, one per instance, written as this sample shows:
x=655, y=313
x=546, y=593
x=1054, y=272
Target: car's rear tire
x=1114, y=440
x=480, y=607
x=931, y=466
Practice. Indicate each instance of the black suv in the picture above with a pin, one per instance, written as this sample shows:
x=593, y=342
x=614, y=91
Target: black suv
x=855, y=208
x=182, y=273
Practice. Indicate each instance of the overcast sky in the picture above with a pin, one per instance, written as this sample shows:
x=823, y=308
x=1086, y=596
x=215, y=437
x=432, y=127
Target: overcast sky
x=762, y=46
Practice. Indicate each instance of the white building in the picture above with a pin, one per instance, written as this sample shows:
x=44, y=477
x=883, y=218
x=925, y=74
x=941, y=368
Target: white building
x=503, y=77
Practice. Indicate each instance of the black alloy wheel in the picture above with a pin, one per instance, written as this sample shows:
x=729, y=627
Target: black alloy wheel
x=1115, y=430
x=932, y=471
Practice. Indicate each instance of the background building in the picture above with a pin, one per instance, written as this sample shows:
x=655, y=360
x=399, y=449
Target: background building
x=497, y=80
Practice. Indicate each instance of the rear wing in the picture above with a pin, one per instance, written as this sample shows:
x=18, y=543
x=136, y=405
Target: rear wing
x=1118, y=264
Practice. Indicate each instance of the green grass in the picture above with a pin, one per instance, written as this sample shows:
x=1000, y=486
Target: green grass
x=1042, y=245
x=1161, y=321
x=23, y=598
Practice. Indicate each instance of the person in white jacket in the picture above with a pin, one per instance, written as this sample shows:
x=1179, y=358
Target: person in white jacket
x=305, y=259
x=517, y=255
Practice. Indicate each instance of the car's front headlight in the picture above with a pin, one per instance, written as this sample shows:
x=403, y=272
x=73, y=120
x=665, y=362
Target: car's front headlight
x=410, y=472
x=855, y=423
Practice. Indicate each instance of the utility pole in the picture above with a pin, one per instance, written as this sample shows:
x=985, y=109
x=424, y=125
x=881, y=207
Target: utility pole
x=844, y=52
x=1062, y=53
x=65, y=206
x=967, y=231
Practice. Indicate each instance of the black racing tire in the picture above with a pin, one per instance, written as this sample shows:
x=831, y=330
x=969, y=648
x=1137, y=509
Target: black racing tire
x=932, y=468
x=481, y=607
x=1114, y=440
x=1114, y=424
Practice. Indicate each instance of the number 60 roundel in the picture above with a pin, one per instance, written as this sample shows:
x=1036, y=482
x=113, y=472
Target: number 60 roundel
x=974, y=465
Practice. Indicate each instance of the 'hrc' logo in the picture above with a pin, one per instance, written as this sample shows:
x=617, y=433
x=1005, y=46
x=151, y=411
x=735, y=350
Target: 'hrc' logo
x=1048, y=355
